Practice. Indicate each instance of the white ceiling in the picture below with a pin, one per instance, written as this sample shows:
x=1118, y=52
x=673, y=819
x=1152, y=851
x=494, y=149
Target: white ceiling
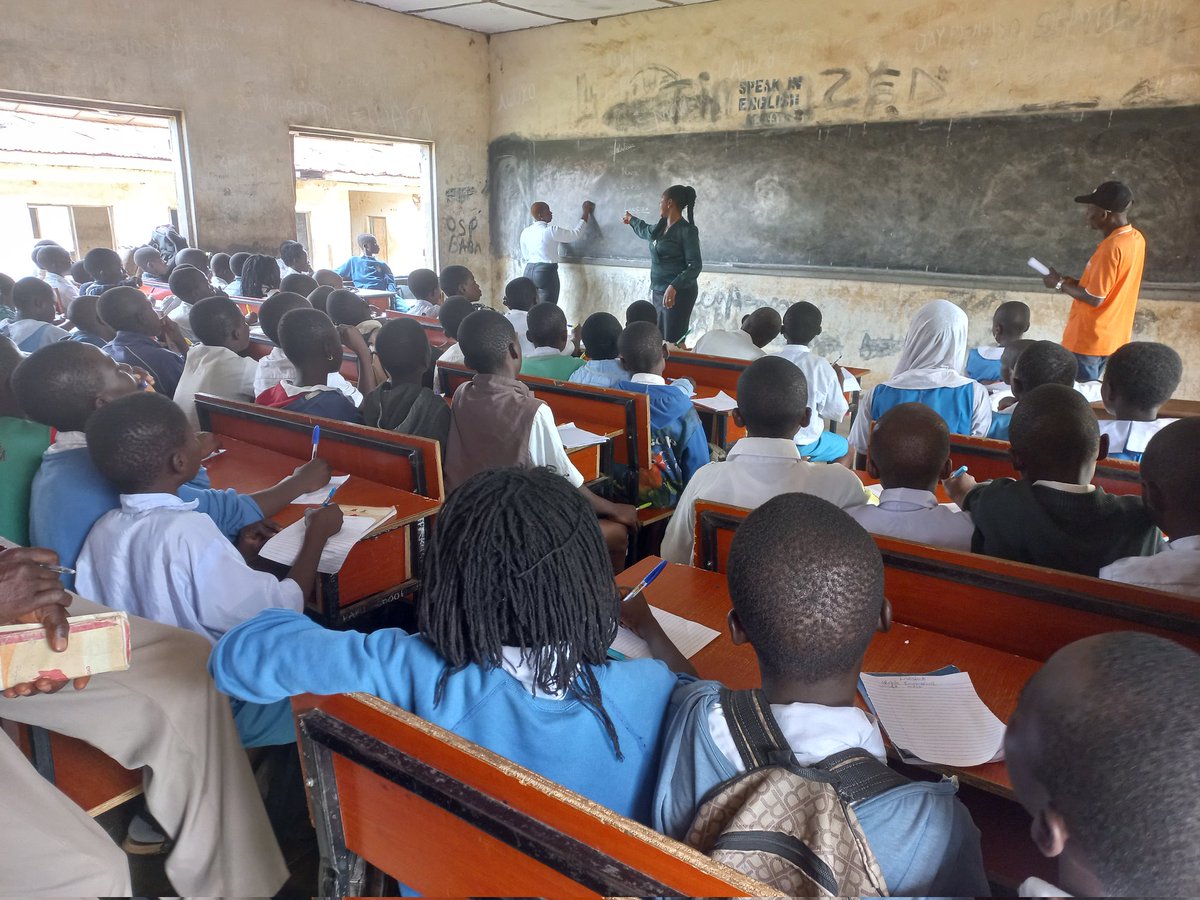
x=494, y=16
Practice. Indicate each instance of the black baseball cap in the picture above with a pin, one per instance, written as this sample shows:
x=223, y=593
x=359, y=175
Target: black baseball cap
x=1112, y=195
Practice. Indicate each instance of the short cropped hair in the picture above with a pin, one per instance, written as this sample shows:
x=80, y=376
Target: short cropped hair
x=802, y=322
x=52, y=257
x=452, y=312
x=130, y=439
x=319, y=298
x=806, y=583
x=120, y=307
x=274, y=308
x=213, y=319
x=521, y=293
x=422, y=283
x=29, y=292
x=58, y=384
x=402, y=347
x=640, y=346
x=452, y=279
x=910, y=444
x=345, y=307
x=1054, y=422
x=546, y=324
x=99, y=258
x=298, y=283
x=772, y=394
x=601, y=334
x=641, y=311
x=304, y=332
x=485, y=337
x=186, y=282
x=236, y=261
x=1144, y=373
x=1045, y=362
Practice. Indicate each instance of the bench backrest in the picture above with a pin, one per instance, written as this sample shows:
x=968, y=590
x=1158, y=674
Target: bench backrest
x=989, y=458
x=433, y=327
x=447, y=818
x=260, y=346
x=1027, y=610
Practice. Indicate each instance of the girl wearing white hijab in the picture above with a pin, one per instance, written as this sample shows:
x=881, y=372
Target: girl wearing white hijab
x=930, y=372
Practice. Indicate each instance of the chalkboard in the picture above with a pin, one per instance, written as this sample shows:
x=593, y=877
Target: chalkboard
x=963, y=196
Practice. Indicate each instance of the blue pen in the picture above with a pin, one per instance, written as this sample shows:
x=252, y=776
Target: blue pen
x=645, y=582
x=316, y=440
x=961, y=470
x=329, y=496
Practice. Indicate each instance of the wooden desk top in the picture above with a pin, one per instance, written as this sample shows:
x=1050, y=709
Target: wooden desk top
x=704, y=597
x=249, y=468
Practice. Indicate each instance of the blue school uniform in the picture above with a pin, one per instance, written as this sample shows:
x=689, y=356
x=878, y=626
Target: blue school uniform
x=280, y=653
x=954, y=404
x=1000, y=425
x=136, y=349
x=86, y=337
x=671, y=411
x=606, y=373
x=984, y=368
x=368, y=272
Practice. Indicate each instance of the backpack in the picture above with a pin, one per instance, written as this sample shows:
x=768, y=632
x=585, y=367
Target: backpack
x=167, y=241
x=662, y=483
x=791, y=826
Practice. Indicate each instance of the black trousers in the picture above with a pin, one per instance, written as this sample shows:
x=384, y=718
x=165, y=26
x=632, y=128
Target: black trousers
x=545, y=276
x=676, y=321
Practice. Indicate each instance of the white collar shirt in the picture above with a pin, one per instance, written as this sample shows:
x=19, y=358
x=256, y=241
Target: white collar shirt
x=452, y=355
x=181, y=315
x=756, y=470
x=825, y=396
x=546, y=447
x=812, y=730
x=156, y=557
x=217, y=371
x=64, y=287
x=1176, y=571
x=539, y=241
x=275, y=368
x=914, y=515
x=730, y=344
x=1127, y=436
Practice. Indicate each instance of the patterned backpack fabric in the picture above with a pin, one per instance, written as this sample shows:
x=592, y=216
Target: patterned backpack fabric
x=790, y=826
x=662, y=483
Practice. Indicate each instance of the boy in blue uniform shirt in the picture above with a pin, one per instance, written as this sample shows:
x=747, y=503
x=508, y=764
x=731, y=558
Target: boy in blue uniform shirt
x=600, y=333
x=104, y=268
x=143, y=339
x=1146, y=375
x=34, y=326
x=1010, y=321
x=366, y=271
x=806, y=584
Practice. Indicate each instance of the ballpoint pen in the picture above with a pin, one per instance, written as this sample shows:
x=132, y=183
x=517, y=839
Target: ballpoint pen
x=316, y=440
x=645, y=582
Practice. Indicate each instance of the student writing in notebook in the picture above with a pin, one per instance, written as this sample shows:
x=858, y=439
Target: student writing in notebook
x=806, y=583
x=511, y=651
x=1139, y=378
x=1099, y=751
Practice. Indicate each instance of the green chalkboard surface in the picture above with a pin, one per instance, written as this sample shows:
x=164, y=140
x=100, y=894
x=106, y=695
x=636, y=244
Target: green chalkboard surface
x=963, y=196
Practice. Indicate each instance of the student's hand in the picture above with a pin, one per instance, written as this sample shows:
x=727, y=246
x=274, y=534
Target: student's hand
x=637, y=617
x=144, y=379
x=959, y=487
x=624, y=514
x=172, y=336
x=250, y=539
x=252, y=319
x=669, y=297
x=324, y=522
x=209, y=443
x=353, y=340
x=1005, y=403
x=311, y=476
x=627, y=218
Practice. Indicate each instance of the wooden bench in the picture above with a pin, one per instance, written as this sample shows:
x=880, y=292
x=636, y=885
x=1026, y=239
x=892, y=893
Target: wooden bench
x=260, y=346
x=433, y=328
x=988, y=458
x=393, y=793
x=263, y=445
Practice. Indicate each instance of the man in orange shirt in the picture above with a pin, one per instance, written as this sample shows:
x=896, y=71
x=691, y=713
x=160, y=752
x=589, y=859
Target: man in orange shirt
x=1106, y=295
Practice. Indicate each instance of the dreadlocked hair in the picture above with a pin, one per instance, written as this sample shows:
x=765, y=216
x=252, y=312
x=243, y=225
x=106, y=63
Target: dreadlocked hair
x=517, y=560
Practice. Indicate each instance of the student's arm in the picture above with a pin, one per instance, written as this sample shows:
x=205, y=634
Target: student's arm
x=622, y=513
x=959, y=487
x=347, y=268
x=691, y=255
x=322, y=524
x=546, y=447
x=311, y=476
x=173, y=337
x=353, y=340
x=833, y=405
x=636, y=614
x=678, y=544
x=388, y=278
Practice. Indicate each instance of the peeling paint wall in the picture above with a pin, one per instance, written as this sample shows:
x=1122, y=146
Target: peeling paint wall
x=244, y=73
x=760, y=64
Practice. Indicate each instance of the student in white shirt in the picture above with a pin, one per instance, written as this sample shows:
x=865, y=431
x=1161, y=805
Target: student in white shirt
x=217, y=365
x=910, y=453
x=57, y=263
x=772, y=407
x=1139, y=378
x=1170, y=471
x=222, y=274
x=539, y=247
x=451, y=314
x=189, y=285
x=275, y=366
x=801, y=325
x=1100, y=751
x=758, y=329
x=423, y=283
x=520, y=296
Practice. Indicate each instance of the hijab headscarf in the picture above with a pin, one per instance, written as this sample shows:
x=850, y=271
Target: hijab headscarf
x=934, y=348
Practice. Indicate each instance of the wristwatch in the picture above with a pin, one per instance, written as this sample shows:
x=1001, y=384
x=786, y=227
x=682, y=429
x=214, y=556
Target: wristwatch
x=1058, y=287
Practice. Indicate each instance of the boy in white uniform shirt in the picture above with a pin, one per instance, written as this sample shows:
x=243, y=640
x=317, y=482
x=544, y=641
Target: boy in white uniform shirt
x=216, y=365
x=57, y=263
x=910, y=453
x=772, y=407
x=188, y=285
x=758, y=329
x=801, y=324
x=1170, y=470
x=451, y=314
x=1139, y=378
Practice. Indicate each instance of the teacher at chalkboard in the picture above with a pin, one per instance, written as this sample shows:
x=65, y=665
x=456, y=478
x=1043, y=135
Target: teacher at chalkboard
x=675, y=261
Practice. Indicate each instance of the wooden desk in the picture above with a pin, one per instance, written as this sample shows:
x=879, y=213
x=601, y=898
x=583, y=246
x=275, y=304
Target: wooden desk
x=1174, y=408
x=710, y=374
x=380, y=300
x=155, y=290
x=988, y=458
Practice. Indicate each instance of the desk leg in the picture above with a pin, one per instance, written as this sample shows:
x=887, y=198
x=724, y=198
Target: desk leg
x=342, y=872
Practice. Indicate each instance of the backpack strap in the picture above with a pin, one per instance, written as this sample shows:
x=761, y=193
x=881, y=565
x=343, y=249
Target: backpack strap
x=859, y=775
x=755, y=732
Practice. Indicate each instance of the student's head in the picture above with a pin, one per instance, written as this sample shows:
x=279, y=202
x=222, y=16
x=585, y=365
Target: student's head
x=403, y=349
x=194, y=257
x=53, y=258
x=762, y=325
x=910, y=448
x=218, y=322
x=260, y=275
x=189, y=284
x=1097, y=750
x=34, y=299
x=489, y=344
x=294, y=255
x=806, y=582
x=79, y=272
x=143, y=443
x=347, y=308
x=319, y=298
x=310, y=340
x=520, y=293
x=1010, y=321
x=550, y=592
x=451, y=314
x=936, y=339
x=547, y=326
x=37, y=246
x=298, y=283
x=237, y=262
x=221, y=268
x=601, y=334
x=1008, y=359
x=679, y=198
x=329, y=277
x=1055, y=437
x=772, y=396
x=149, y=261
x=275, y=308
x=62, y=384
x=641, y=349
x=83, y=314
x=459, y=280
x=1042, y=362
x=368, y=244
x=424, y=286
x=10, y=358
x=128, y=309
x=1170, y=470
x=641, y=311
x=1139, y=378
x=801, y=323
x=104, y=265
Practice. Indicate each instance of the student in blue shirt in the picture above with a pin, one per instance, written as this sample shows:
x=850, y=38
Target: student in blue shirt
x=806, y=583
x=89, y=328
x=600, y=334
x=1139, y=378
x=516, y=616
x=34, y=326
x=61, y=386
x=366, y=271
x=143, y=339
x=1010, y=321
x=105, y=270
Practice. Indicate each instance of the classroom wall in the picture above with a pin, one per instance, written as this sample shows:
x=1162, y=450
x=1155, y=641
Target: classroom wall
x=713, y=66
x=243, y=73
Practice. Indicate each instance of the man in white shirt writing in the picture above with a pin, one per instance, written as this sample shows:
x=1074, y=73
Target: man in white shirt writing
x=539, y=247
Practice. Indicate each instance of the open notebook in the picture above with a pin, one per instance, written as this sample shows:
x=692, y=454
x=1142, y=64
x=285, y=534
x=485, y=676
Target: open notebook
x=358, y=523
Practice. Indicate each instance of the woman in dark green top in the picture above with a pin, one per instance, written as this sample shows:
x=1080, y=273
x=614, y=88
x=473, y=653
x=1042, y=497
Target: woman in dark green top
x=674, y=259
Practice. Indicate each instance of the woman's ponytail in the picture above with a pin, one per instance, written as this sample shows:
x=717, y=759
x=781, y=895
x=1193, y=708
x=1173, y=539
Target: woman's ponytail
x=684, y=197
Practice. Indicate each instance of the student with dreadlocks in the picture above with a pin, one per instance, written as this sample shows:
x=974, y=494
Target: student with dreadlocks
x=260, y=276
x=511, y=652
